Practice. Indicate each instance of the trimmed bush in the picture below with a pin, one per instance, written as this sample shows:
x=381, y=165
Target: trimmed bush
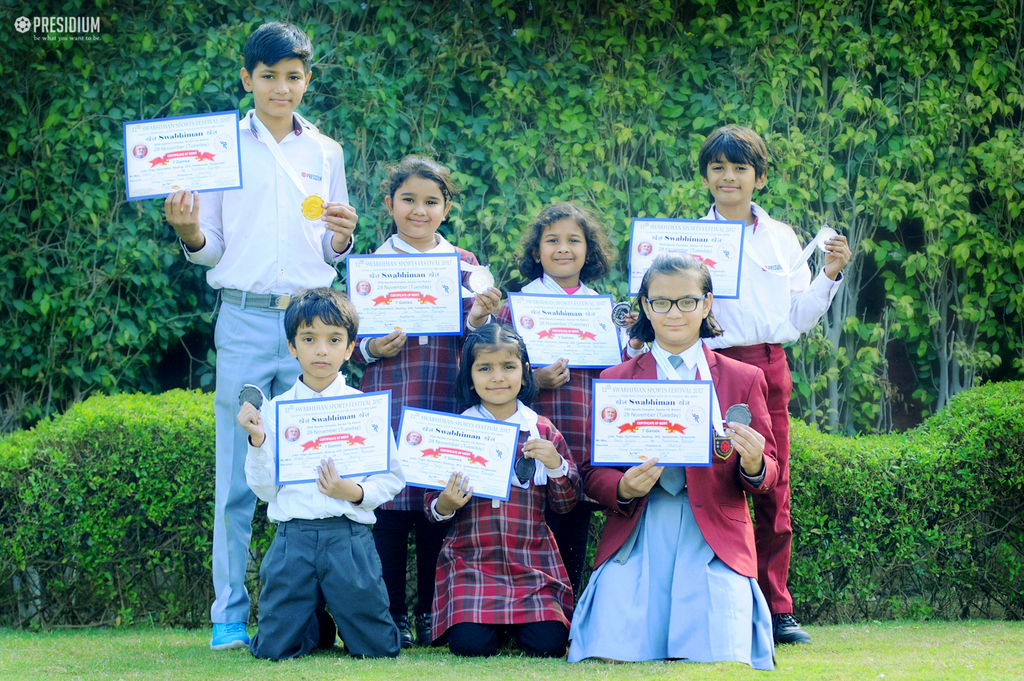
x=106, y=515
x=929, y=523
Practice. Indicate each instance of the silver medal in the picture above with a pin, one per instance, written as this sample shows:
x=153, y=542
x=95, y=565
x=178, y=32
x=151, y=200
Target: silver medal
x=525, y=468
x=251, y=394
x=738, y=413
x=480, y=280
x=823, y=235
x=619, y=314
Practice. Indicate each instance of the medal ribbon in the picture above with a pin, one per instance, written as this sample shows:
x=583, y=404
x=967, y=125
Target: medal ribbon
x=275, y=150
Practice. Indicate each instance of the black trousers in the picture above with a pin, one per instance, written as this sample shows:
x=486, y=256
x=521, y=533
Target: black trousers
x=312, y=562
x=539, y=639
x=391, y=536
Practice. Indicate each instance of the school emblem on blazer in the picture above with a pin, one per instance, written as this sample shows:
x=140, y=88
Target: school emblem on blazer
x=723, y=447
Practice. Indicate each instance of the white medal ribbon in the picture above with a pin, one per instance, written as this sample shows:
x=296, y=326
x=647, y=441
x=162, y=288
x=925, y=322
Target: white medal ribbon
x=275, y=150
x=703, y=369
x=824, y=234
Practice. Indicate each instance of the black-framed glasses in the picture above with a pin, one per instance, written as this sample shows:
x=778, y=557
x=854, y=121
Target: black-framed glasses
x=663, y=305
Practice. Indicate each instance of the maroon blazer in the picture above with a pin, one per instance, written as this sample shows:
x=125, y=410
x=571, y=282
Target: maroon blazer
x=717, y=492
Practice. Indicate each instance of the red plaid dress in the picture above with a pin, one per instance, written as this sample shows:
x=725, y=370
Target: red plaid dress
x=501, y=565
x=421, y=376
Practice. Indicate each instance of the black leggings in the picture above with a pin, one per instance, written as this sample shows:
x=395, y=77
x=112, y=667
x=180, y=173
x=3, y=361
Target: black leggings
x=538, y=639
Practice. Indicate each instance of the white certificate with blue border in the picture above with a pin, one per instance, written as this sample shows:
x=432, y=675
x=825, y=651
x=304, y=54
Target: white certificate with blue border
x=420, y=294
x=717, y=243
x=198, y=153
x=578, y=328
x=635, y=420
x=351, y=429
x=432, y=445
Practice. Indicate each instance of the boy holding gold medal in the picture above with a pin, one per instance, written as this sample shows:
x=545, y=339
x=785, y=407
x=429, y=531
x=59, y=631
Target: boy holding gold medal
x=282, y=232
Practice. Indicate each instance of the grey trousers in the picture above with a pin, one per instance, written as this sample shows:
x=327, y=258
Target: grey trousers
x=332, y=559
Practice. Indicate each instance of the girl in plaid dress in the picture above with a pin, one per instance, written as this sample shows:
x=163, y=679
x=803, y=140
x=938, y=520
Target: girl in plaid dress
x=499, y=572
x=419, y=373
x=563, y=248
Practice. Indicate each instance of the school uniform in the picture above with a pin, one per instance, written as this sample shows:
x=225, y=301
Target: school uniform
x=499, y=565
x=775, y=306
x=422, y=375
x=259, y=248
x=322, y=552
x=567, y=407
x=675, y=570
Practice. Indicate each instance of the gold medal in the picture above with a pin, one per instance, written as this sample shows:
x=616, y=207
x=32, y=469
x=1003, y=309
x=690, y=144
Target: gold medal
x=313, y=207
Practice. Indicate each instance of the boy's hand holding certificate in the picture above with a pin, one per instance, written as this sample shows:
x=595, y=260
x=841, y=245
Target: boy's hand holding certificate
x=420, y=294
x=198, y=153
x=433, y=445
x=637, y=420
x=351, y=429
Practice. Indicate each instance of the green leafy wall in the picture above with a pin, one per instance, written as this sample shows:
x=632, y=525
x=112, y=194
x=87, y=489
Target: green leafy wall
x=898, y=122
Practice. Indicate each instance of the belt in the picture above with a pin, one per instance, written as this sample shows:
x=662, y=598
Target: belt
x=264, y=301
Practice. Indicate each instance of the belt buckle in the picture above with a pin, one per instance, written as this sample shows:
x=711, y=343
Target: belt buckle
x=279, y=302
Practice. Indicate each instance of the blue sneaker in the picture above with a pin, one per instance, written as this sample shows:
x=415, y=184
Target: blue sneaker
x=229, y=635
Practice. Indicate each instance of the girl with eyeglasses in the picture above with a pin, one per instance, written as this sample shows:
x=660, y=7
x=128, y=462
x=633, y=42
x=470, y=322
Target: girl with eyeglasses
x=675, y=575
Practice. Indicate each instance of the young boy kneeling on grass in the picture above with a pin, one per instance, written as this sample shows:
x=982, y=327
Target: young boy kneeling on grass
x=323, y=551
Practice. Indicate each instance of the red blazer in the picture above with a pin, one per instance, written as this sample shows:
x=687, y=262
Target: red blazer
x=717, y=492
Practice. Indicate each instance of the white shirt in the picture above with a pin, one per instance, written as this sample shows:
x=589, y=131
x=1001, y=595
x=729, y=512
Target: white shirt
x=256, y=238
x=305, y=500
x=771, y=308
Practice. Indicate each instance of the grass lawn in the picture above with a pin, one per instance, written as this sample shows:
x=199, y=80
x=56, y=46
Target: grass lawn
x=881, y=650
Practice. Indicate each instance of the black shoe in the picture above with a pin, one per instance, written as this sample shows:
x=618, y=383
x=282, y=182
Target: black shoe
x=423, y=629
x=404, y=631
x=787, y=629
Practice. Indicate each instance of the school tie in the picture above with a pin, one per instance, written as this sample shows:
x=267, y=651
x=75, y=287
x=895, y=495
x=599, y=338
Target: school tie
x=673, y=478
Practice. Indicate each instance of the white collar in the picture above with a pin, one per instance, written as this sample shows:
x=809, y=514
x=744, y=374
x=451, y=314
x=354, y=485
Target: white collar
x=396, y=244
x=337, y=387
x=526, y=418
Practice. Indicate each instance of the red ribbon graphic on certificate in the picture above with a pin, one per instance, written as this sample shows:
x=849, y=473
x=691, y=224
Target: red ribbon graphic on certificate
x=566, y=331
x=188, y=153
x=710, y=263
x=404, y=295
x=451, y=451
x=651, y=423
x=339, y=437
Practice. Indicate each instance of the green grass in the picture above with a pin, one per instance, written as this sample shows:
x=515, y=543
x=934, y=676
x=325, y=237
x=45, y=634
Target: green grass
x=887, y=650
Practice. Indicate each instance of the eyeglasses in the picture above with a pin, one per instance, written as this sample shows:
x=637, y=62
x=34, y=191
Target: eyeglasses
x=663, y=305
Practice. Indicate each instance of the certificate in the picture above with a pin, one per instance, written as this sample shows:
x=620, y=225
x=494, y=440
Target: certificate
x=420, y=294
x=432, y=445
x=351, y=429
x=716, y=243
x=637, y=420
x=579, y=328
x=199, y=153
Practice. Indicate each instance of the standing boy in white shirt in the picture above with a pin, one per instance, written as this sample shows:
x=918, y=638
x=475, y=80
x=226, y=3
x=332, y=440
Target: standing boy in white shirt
x=778, y=302
x=261, y=249
x=323, y=551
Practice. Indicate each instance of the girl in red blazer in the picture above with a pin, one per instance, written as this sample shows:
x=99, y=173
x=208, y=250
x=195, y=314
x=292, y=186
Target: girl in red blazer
x=676, y=574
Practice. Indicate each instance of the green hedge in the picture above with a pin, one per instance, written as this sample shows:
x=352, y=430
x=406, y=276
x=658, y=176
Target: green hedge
x=105, y=515
x=929, y=523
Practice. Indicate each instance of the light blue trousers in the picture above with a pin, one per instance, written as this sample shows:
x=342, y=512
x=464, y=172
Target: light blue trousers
x=251, y=348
